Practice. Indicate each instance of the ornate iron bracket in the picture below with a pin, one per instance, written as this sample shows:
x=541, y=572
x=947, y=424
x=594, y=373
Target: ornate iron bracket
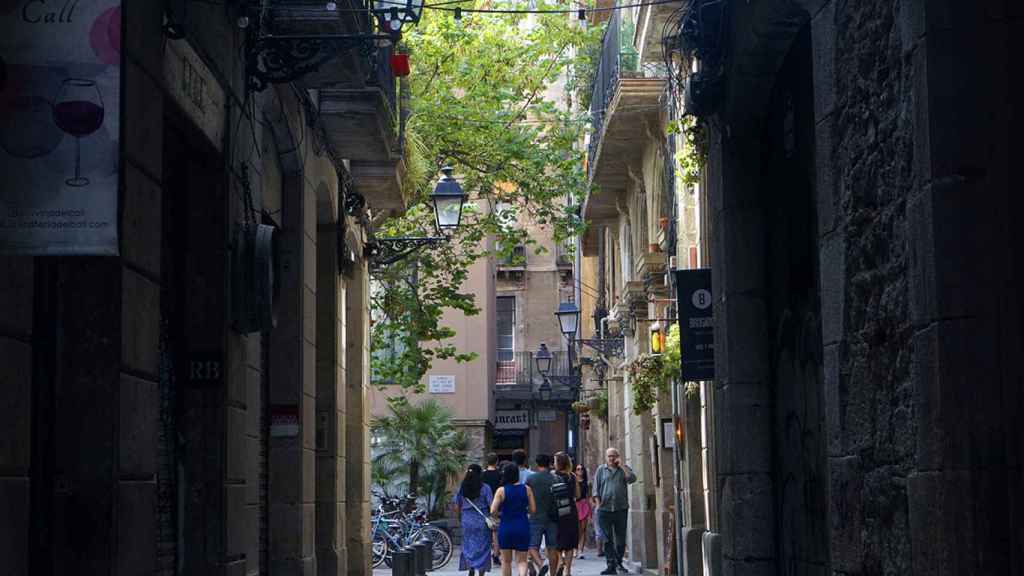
x=276, y=59
x=569, y=380
x=386, y=251
x=605, y=346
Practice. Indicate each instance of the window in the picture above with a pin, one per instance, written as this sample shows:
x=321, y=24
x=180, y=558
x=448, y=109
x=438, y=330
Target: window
x=506, y=317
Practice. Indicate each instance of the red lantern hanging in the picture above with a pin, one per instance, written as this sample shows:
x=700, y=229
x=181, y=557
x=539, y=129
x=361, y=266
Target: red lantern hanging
x=585, y=421
x=399, y=64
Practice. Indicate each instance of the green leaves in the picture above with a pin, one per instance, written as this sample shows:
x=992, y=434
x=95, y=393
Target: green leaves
x=421, y=442
x=480, y=102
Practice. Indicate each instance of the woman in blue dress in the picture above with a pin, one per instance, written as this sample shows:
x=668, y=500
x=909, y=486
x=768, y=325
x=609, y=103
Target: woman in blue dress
x=513, y=501
x=476, y=536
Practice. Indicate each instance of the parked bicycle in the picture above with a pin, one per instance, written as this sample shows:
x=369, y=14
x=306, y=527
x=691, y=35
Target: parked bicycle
x=399, y=522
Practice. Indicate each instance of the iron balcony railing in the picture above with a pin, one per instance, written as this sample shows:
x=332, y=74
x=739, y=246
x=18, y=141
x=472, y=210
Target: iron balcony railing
x=617, y=59
x=606, y=77
x=519, y=369
x=381, y=76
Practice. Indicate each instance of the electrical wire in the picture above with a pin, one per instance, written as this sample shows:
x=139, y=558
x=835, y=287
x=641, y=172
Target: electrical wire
x=319, y=7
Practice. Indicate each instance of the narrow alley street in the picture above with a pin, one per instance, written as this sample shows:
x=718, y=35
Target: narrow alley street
x=287, y=286
x=590, y=565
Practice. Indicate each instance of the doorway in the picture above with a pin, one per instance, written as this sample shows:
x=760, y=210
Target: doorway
x=794, y=317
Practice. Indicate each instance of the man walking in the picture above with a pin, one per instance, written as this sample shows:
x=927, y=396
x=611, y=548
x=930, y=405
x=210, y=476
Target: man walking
x=519, y=457
x=542, y=524
x=610, y=484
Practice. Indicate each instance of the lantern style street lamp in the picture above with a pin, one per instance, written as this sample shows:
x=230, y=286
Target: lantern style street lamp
x=393, y=14
x=276, y=54
x=568, y=319
x=545, y=390
x=543, y=360
x=448, y=200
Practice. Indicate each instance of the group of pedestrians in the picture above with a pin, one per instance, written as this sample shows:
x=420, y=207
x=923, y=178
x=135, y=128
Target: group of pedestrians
x=508, y=510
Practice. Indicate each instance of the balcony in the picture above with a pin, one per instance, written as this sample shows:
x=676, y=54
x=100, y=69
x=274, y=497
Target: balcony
x=517, y=378
x=356, y=95
x=625, y=105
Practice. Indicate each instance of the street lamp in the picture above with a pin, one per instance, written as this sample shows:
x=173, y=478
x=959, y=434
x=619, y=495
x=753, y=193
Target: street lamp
x=543, y=359
x=393, y=14
x=448, y=200
x=545, y=390
x=568, y=319
x=276, y=54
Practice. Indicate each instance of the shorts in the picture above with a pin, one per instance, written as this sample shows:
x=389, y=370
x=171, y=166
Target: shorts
x=543, y=528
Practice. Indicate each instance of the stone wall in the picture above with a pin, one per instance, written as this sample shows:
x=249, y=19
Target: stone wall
x=866, y=139
x=917, y=256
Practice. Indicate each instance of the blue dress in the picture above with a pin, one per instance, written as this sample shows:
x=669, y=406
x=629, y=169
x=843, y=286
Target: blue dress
x=514, y=530
x=476, y=536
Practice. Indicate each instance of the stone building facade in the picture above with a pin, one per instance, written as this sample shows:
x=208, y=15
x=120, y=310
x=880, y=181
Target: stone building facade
x=149, y=433
x=855, y=208
x=865, y=271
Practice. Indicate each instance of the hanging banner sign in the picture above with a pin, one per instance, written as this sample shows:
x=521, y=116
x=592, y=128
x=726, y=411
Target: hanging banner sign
x=696, y=324
x=60, y=102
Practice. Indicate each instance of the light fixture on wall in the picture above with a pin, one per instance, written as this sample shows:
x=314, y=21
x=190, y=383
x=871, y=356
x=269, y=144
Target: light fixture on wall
x=448, y=200
x=568, y=315
x=275, y=54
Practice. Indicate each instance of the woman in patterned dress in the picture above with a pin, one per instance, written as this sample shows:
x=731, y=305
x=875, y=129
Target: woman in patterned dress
x=476, y=536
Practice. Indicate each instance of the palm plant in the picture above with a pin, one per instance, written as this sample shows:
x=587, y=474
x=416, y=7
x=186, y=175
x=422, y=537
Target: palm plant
x=422, y=440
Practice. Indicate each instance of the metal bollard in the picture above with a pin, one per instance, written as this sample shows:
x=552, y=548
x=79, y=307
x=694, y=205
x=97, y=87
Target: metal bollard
x=419, y=568
x=428, y=555
x=403, y=562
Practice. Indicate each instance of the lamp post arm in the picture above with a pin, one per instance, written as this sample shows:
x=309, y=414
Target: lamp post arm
x=387, y=251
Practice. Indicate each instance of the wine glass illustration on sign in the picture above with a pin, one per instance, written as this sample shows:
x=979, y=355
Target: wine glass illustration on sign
x=78, y=111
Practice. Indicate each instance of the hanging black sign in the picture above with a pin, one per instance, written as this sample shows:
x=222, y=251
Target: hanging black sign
x=696, y=324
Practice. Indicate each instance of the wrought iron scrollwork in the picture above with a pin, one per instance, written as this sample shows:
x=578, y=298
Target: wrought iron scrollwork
x=275, y=60
x=611, y=347
x=386, y=251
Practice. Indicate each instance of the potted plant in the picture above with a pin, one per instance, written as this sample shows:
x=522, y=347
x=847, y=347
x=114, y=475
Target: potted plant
x=580, y=407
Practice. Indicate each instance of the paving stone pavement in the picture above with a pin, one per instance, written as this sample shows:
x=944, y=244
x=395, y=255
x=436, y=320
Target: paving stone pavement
x=590, y=565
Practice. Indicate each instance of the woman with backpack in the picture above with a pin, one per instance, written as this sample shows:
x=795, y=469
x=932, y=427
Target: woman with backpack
x=565, y=508
x=473, y=497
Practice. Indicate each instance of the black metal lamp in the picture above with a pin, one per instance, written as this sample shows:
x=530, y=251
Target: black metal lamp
x=543, y=359
x=545, y=390
x=568, y=319
x=448, y=199
x=393, y=14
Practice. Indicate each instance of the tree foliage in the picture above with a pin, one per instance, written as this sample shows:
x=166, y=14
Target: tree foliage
x=480, y=103
x=419, y=449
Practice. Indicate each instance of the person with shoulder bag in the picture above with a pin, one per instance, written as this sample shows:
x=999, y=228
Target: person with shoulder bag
x=476, y=526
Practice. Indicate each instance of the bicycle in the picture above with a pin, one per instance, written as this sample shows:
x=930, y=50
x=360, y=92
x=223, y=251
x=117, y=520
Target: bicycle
x=397, y=522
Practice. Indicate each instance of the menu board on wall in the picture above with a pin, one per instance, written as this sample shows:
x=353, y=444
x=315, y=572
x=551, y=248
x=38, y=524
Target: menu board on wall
x=60, y=101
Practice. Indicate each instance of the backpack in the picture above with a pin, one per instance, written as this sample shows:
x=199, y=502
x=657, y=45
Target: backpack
x=562, y=499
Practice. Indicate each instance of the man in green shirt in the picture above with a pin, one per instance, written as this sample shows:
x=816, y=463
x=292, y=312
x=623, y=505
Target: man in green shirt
x=612, y=498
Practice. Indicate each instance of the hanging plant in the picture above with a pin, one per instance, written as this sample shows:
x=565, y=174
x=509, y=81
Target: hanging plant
x=647, y=378
x=690, y=159
x=671, y=363
x=599, y=405
x=580, y=407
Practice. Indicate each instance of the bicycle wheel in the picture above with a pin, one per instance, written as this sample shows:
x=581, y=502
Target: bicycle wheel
x=380, y=549
x=442, y=541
